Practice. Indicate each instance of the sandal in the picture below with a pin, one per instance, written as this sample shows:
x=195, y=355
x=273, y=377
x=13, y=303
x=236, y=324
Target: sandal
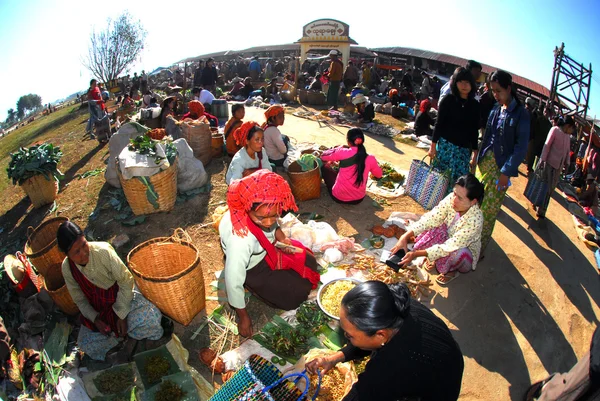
x=429, y=266
x=444, y=279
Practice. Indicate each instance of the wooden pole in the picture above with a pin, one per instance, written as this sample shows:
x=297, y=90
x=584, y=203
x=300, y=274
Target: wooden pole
x=184, y=80
x=297, y=62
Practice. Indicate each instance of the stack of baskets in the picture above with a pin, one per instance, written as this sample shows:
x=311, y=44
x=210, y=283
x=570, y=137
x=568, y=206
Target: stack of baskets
x=164, y=185
x=305, y=185
x=42, y=250
x=168, y=271
x=41, y=190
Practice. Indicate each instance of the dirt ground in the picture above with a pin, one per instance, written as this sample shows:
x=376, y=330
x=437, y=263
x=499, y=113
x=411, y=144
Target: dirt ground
x=529, y=309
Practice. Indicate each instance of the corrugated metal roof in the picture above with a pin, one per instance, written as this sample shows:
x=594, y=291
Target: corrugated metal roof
x=446, y=58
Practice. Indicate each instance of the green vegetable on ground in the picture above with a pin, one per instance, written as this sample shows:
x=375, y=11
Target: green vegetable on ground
x=39, y=159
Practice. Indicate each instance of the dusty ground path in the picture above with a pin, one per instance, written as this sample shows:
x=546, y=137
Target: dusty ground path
x=531, y=306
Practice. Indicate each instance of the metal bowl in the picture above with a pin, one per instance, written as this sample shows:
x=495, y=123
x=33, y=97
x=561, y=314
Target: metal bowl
x=320, y=293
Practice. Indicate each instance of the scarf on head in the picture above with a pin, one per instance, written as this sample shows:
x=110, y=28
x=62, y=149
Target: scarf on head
x=425, y=106
x=196, y=108
x=263, y=187
x=272, y=112
x=240, y=135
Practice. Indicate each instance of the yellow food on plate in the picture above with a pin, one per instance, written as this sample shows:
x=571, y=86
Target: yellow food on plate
x=332, y=295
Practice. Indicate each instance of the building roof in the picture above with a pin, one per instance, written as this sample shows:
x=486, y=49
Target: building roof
x=446, y=58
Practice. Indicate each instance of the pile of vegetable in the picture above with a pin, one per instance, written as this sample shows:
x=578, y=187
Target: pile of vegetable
x=169, y=391
x=308, y=161
x=39, y=159
x=114, y=381
x=144, y=145
x=156, y=367
x=390, y=178
x=310, y=316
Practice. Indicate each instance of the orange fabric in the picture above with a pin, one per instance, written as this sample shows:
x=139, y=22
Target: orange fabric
x=393, y=92
x=272, y=112
x=197, y=108
x=240, y=135
x=263, y=187
x=425, y=106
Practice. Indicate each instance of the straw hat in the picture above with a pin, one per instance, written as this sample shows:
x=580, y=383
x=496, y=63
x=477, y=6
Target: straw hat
x=358, y=99
x=14, y=268
x=333, y=53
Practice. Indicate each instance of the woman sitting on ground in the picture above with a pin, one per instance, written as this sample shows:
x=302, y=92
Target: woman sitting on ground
x=103, y=290
x=251, y=156
x=238, y=112
x=272, y=91
x=247, y=89
x=248, y=235
x=364, y=108
x=424, y=122
x=449, y=236
x=355, y=165
x=589, y=194
x=316, y=84
x=197, y=111
x=169, y=108
x=413, y=354
x=276, y=145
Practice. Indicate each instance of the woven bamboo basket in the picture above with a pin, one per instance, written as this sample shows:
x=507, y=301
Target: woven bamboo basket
x=42, y=247
x=217, y=144
x=165, y=186
x=305, y=185
x=168, y=272
x=58, y=291
x=303, y=96
x=40, y=190
x=198, y=135
x=316, y=98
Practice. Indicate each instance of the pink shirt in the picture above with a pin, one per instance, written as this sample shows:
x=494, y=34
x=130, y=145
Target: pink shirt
x=557, y=149
x=344, y=188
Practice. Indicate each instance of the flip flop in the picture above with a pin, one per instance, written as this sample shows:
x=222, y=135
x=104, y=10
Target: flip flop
x=429, y=266
x=441, y=277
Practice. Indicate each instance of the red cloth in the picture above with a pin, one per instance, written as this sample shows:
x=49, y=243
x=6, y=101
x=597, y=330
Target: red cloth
x=95, y=94
x=100, y=299
x=425, y=106
x=262, y=187
x=278, y=260
x=272, y=112
x=240, y=135
x=196, y=107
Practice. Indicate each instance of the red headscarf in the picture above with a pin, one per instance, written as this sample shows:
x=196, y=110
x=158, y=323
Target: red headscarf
x=425, y=106
x=197, y=108
x=263, y=187
x=240, y=135
x=393, y=92
x=272, y=112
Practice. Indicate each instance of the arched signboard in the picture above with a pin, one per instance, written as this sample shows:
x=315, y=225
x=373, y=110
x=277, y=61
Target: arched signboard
x=326, y=34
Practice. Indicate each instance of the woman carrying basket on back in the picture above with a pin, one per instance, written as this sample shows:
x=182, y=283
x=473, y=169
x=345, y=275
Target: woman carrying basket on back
x=250, y=238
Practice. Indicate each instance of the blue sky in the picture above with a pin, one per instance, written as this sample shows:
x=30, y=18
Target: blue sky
x=43, y=42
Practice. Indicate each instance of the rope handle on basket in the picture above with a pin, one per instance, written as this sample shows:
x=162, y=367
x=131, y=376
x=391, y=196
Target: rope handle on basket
x=30, y=231
x=297, y=377
x=179, y=236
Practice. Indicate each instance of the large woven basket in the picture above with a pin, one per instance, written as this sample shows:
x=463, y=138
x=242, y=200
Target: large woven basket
x=198, y=135
x=42, y=248
x=165, y=186
x=168, y=272
x=305, y=185
x=217, y=143
x=316, y=98
x=58, y=291
x=303, y=96
x=41, y=190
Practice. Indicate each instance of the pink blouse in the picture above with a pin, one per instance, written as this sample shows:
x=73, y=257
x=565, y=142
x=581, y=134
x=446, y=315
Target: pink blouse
x=344, y=188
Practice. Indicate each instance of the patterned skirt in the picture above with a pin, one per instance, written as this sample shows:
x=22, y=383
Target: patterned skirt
x=461, y=260
x=488, y=173
x=453, y=158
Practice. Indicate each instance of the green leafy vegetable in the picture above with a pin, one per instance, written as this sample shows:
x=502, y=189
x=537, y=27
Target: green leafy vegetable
x=144, y=145
x=39, y=159
x=308, y=161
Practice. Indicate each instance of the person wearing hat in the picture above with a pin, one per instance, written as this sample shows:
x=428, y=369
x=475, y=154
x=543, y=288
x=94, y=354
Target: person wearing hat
x=276, y=145
x=254, y=68
x=336, y=71
x=169, y=108
x=251, y=156
x=249, y=237
x=364, y=108
x=589, y=196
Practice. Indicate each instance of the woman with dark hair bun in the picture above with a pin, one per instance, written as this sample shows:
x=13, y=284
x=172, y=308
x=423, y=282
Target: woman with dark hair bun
x=449, y=236
x=355, y=165
x=103, y=289
x=413, y=353
x=502, y=149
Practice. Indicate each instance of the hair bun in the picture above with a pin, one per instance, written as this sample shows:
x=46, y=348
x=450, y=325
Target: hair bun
x=401, y=295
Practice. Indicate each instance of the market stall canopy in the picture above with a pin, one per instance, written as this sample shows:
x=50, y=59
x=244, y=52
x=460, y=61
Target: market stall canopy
x=161, y=69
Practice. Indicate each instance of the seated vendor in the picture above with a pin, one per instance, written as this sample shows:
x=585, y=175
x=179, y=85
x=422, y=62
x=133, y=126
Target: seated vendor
x=355, y=165
x=238, y=112
x=203, y=96
x=127, y=100
x=251, y=156
x=196, y=111
x=272, y=91
x=247, y=89
x=276, y=145
x=248, y=233
x=364, y=108
x=316, y=84
x=413, y=354
x=169, y=108
x=424, y=122
x=449, y=236
x=103, y=289
x=237, y=86
x=589, y=194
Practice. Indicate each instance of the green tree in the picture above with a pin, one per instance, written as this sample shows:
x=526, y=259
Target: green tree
x=27, y=103
x=113, y=50
x=11, y=116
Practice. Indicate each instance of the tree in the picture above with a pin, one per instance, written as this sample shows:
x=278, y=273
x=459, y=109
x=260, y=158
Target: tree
x=11, y=116
x=28, y=103
x=113, y=50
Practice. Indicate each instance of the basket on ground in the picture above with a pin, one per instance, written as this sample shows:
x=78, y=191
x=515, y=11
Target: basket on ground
x=41, y=190
x=42, y=248
x=305, y=185
x=54, y=283
x=168, y=271
x=303, y=96
x=316, y=98
x=198, y=135
x=217, y=143
x=164, y=185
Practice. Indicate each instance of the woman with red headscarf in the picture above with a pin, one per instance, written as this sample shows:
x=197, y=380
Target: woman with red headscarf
x=249, y=235
x=196, y=111
x=251, y=156
x=276, y=144
x=424, y=122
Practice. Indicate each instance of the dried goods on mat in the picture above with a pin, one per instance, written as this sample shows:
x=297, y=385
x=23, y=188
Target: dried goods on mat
x=310, y=316
x=157, y=133
x=332, y=386
x=169, y=391
x=115, y=381
x=285, y=340
x=388, y=232
x=156, y=367
x=207, y=355
x=331, y=297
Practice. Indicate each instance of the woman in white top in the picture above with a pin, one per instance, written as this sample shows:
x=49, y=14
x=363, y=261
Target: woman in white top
x=276, y=144
x=251, y=156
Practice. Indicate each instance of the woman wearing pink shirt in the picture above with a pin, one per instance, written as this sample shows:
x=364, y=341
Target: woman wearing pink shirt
x=555, y=157
x=355, y=165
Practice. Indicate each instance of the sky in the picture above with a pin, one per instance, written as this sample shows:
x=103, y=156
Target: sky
x=42, y=43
